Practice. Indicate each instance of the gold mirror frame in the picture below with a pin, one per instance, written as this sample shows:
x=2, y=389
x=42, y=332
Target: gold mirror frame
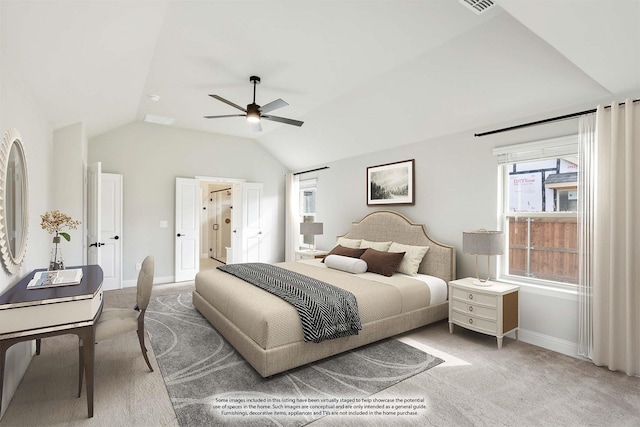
x=10, y=160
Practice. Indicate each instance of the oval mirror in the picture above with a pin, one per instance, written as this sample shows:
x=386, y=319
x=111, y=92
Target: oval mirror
x=14, y=196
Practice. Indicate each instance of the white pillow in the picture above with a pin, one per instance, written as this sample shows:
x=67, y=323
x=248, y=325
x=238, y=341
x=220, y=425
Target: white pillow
x=378, y=246
x=345, y=263
x=412, y=257
x=348, y=243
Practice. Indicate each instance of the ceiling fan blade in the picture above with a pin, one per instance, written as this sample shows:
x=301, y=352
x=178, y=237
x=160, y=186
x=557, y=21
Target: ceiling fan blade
x=226, y=115
x=273, y=105
x=283, y=120
x=256, y=127
x=219, y=98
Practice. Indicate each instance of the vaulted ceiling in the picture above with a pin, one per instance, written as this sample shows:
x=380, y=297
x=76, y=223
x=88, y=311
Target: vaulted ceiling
x=362, y=75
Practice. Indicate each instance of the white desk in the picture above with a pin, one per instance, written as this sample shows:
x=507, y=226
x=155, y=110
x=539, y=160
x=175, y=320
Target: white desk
x=28, y=314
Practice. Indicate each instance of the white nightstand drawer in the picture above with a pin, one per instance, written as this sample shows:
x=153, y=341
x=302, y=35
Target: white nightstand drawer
x=475, y=297
x=474, y=323
x=474, y=309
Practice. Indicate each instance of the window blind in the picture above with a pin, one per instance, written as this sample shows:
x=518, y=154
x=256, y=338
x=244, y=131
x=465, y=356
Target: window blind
x=547, y=148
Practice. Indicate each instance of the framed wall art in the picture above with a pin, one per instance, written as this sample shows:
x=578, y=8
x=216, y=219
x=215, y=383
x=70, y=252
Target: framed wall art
x=391, y=184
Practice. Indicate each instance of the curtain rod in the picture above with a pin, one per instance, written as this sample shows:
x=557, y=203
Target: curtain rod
x=539, y=122
x=312, y=170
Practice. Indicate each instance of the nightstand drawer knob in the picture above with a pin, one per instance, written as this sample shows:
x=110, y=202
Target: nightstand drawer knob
x=470, y=296
x=470, y=308
x=470, y=321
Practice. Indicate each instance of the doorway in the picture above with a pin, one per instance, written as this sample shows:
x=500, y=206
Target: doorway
x=247, y=233
x=104, y=224
x=215, y=223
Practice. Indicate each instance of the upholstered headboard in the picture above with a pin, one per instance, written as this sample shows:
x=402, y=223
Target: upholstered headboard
x=384, y=226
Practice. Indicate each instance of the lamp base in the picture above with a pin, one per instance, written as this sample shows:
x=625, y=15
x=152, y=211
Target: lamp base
x=479, y=282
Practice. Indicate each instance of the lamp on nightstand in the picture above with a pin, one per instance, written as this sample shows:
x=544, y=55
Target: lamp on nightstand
x=483, y=242
x=311, y=229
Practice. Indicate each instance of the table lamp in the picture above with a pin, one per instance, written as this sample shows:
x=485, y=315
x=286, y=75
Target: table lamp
x=311, y=229
x=483, y=242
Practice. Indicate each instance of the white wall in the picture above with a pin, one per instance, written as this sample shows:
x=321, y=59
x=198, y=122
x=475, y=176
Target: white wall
x=17, y=110
x=456, y=190
x=69, y=169
x=151, y=156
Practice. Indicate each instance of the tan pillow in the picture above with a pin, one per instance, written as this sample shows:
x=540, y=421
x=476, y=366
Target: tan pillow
x=348, y=243
x=384, y=263
x=344, y=251
x=378, y=246
x=412, y=258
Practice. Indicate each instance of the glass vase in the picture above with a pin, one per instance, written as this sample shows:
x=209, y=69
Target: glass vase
x=55, y=261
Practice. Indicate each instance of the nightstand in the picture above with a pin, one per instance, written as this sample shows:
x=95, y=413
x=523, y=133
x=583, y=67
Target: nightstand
x=310, y=254
x=491, y=310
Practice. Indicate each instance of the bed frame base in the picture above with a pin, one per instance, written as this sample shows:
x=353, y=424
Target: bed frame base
x=279, y=359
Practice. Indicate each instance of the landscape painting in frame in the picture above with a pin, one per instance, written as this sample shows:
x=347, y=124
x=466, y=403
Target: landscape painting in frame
x=391, y=184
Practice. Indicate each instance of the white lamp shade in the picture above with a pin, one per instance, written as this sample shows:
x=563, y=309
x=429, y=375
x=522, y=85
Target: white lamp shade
x=310, y=228
x=482, y=242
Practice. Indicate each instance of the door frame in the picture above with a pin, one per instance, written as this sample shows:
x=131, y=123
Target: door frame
x=198, y=180
x=233, y=182
x=116, y=240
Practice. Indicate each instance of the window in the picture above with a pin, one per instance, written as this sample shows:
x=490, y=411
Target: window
x=307, y=209
x=539, y=211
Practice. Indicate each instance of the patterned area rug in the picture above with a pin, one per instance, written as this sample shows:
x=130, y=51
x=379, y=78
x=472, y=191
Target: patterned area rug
x=211, y=384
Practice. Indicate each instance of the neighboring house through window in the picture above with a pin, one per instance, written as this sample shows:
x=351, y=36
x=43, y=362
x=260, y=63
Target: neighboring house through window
x=539, y=211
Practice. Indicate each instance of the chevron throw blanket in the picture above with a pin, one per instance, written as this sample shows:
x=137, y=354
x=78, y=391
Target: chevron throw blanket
x=326, y=311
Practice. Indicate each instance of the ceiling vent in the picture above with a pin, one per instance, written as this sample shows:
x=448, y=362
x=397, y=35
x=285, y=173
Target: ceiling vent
x=478, y=6
x=161, y=120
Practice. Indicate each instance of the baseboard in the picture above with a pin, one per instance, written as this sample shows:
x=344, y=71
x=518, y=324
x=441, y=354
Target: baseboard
x=550, y=343
x=156, y=281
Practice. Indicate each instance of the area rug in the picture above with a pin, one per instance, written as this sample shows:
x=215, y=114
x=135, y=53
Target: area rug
x=209, y=383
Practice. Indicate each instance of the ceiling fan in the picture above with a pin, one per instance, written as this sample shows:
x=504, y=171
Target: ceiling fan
x=254, y=112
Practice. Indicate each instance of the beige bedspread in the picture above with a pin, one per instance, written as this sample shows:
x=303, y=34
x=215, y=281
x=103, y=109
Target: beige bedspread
x=272, y=322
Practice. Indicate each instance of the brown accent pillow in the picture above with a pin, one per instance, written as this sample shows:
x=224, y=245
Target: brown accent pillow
x=344, y=251
x=385, y=263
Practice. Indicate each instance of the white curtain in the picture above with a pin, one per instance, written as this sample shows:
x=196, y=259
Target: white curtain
x=292, y=217
x=586, y=188
x=616, y=243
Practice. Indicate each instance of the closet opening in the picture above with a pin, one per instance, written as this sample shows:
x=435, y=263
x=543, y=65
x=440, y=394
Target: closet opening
x=215, y=223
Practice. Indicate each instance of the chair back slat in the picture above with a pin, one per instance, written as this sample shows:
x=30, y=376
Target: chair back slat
x=145, y=283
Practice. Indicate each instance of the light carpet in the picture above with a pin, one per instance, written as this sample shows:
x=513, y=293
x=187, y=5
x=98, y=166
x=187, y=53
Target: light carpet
x=209, y=383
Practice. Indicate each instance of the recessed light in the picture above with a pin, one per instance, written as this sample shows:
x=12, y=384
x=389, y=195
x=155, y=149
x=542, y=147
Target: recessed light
x=161, y=120
x=154, y=98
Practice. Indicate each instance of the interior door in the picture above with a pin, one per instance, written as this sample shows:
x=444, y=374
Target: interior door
x=94, y=199
x=187, y=245
x=236, y=254
x=252, y=235
x=111, y=230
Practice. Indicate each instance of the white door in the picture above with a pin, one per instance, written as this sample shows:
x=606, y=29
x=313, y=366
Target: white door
x=247, y=231
x=236, y=254
x=187, y=229
x=252, y=236
x=93, y=213
x=111, y=230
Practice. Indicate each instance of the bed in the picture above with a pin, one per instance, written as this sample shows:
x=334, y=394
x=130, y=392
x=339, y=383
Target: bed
x=266, y=330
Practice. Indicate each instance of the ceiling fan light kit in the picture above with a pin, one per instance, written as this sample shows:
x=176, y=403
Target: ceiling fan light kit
x=254, y=112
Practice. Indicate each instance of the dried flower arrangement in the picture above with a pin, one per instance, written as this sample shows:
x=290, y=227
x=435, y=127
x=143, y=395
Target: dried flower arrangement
x=54, y=221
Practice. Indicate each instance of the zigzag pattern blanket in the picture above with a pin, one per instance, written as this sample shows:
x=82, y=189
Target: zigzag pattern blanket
x=326, y=311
